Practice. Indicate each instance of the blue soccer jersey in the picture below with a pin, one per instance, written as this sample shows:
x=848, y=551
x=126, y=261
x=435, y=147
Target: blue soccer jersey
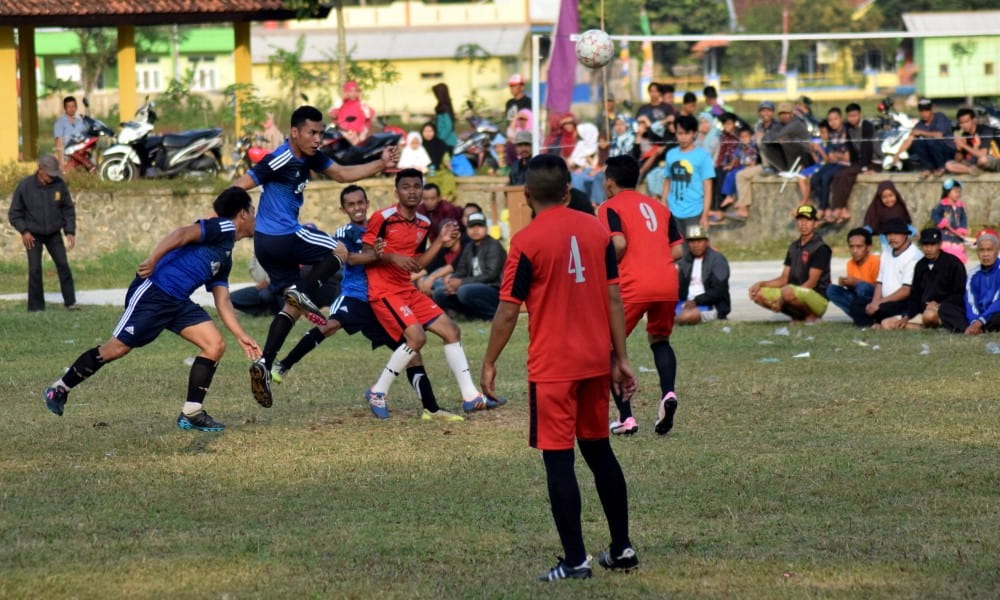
x=206, y=262
x=284, y=177
x=355, y=282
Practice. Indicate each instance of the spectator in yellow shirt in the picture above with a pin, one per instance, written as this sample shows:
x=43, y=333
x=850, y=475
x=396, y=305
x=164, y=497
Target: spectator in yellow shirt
x=854, y=291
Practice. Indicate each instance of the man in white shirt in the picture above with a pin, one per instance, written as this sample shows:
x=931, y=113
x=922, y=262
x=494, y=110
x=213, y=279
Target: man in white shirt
x=895, y=276
x=704, y=280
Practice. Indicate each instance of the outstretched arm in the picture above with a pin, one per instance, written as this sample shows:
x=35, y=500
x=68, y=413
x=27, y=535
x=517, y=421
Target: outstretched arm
x=181, y=236
x=345, y=174
x=227, y=314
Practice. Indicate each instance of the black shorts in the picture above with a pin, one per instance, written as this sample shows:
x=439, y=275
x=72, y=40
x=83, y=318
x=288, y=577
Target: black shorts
x=282, y=255
x=356, y=315
x=149, y=310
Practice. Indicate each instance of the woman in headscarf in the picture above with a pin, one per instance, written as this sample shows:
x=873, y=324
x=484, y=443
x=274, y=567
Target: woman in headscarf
x=562, y=134
x=522, y=121
x=584, y=165
x=444, y=115
x=708, y=135
x=414, y=156
x=623, y=140
x=436, y=148
x=887, y=204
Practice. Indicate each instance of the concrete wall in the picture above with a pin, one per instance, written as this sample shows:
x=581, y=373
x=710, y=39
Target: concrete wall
x=106, y=221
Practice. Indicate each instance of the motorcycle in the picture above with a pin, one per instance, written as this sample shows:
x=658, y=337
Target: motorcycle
x=137, y=153
x=477, y=146
x=892, y=128
x=246, y=154
x=342, y=152
x=81, y=147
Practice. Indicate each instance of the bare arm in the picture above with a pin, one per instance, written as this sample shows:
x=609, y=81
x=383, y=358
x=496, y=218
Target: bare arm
x=245, y=181
x=814, y=275
x=504, y=322
x=227, y=314
x=622, y=379
x=346, y=174
x=778, y=281
x=620, y=244
x=181, y=236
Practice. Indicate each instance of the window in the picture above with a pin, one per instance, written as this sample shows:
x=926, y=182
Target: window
x=433, y=75
x=147, y=74
x=204, y=73
x=987, y=68
x=943, y=69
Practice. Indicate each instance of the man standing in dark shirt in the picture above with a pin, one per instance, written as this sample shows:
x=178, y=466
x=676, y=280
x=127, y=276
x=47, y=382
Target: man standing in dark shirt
x=658, y=108
x=41, y=210
x=519, y=168
x=938, y=292
x=800, y=290
x=518, y=100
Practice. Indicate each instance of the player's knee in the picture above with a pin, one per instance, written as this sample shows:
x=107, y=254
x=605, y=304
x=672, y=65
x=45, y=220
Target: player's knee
x=415, y=338
x=449, y=331
x=787, y=294
x=214, y=349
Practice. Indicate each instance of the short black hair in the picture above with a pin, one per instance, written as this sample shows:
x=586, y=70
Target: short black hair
x=68, y=99
x=350, y=190
x=824, y=124
x=853, y=107
x=547, y=179
x=231, y=201
x=473, y=205
x=710, y=92
x=623, y=170
x=862, y=232
x=666, y=88
x=834, y=110
x=689, y=97
x=686, y=122
x=433, y=186
x=306, y=113
x=652, y=85
x=728, y=116
x=965, y=111
x=408, y=173
x=745, y=129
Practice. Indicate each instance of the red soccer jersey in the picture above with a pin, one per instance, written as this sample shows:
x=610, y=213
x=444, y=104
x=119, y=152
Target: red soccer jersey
x=648, y=272
x=561, y=265
x=401, y=236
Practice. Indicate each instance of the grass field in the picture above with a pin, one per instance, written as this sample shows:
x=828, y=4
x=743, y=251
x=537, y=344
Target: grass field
x=855, y=473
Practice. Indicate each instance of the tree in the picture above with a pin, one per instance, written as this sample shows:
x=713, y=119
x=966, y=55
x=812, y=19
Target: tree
x=98, y=50
x=295, y=75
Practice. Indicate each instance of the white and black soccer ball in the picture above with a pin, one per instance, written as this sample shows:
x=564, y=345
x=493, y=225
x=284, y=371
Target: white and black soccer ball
x=594, y=49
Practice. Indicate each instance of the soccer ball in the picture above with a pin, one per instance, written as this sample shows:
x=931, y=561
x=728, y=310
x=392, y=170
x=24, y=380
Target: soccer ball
x=594, y=49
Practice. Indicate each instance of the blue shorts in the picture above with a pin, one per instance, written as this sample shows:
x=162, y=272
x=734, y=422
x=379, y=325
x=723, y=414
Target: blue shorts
x=281, y=256
x=356, y=315
x=149, y=310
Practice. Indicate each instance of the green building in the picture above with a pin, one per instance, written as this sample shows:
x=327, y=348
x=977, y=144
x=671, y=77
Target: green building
x=961, y=66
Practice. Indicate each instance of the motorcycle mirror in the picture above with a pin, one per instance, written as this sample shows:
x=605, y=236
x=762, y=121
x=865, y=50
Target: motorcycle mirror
x=86, y=103
x=304, y=97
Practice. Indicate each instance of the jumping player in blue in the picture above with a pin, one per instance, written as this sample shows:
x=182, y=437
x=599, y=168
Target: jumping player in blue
x=159, y=298
x=282, y=244
x=352, y=313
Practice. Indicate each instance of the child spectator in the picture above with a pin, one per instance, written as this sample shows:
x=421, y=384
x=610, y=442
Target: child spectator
x=949, y=216
x=886, y=205
x=817, y=151
x=745, y=155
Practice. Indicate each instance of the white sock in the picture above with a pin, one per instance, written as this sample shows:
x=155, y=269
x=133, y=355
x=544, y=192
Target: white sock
x=60, y=384
x=459, y=366
x=191, y=408
x=397, y=362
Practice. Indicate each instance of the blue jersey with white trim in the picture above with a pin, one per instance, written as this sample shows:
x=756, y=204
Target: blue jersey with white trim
x=284, y=177
x=207, y=261
x=355, y=282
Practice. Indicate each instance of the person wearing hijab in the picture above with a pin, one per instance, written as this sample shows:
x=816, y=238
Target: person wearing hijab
x=522, y=121
x=444, y=113
x=436, y=148
x=584, y=165
x=886, y=205
x=708, y=134
x=414, y=155
x=562, y=135
x=623, y=141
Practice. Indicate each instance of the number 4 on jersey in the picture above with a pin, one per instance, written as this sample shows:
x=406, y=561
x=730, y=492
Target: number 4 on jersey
x=576, y=267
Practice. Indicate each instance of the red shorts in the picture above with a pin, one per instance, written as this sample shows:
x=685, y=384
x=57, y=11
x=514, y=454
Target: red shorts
x=659, y=316
x=398, y=311
x=564, y=411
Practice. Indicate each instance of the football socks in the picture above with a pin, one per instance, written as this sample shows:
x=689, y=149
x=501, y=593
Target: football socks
x=397, y=362
x=200, y=378
x=564, y=498
x=276, y=334
x=422, y=386
x=459, y=366
x=86, y=365
x=611, y=489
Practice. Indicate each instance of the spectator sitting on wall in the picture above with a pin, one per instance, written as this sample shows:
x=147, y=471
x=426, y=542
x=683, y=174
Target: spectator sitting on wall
x=352, y=115
x=860, y=145
x=930, y=144
x=787, y=143
x=744, y=193
x=712, y=102
x=977, y=146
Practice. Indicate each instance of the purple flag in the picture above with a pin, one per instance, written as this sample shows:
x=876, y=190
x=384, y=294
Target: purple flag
x=562, y=67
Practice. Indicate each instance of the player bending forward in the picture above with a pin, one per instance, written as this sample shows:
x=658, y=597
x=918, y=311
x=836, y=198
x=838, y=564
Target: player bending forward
x=402, y=310
x=565, y=258
x=159, y=298
x=351, y=312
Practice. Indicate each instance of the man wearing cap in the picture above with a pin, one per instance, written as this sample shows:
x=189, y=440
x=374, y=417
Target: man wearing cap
x=982, y=296
x=938, y=287
x=473, y=289
x=788, y=141
x=704, y=280
x=800, y=290
x=895, y=276
x=854, y=291
x=522, y=149
x=744, y=193
x=930, y=143
x=41, y=210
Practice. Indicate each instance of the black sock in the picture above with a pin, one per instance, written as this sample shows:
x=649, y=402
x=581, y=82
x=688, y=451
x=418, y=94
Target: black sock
x=276, y=335
x=624, y=408
x=86, y=365
x=200, y=378
x=314, y=337
x=313, y=278
x=666, y=365
x=611, y=488
x=422, y=385
x=564, y=498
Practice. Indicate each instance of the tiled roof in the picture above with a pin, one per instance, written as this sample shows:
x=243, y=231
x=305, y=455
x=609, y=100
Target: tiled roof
x=138, y=12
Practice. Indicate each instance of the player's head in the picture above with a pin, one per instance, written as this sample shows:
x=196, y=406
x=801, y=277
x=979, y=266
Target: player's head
x=306, y=131
x=409, y=187
x=622, y=171
x=234, y=203
x=354, y=203
x=547, y=181
x=430, y=197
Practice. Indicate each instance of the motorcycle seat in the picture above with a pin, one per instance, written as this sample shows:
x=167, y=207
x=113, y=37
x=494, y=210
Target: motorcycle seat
x=179, y=140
